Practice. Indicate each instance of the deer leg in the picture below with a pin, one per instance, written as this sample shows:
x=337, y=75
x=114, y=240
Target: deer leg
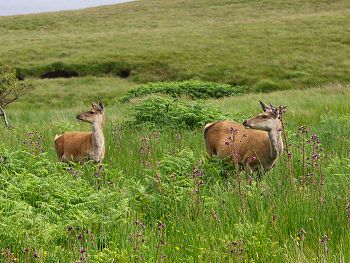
x=248, y=169
x=260, y=173
x=249, y=172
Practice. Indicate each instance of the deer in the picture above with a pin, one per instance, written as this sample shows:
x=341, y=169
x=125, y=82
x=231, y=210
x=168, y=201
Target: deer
x=79, y=146
x=256, y=143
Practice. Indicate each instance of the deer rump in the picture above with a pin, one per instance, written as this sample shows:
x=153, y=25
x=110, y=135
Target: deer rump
x=74, y=146
x=251, y=146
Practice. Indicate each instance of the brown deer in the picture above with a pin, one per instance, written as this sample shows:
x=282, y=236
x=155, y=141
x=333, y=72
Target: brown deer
x=78, y=146
x=257, y=143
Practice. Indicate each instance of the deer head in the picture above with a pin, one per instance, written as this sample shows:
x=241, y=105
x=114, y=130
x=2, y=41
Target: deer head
x=94, y=115
x=266, y=121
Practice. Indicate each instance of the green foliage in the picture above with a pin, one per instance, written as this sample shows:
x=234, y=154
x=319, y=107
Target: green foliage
x=257, y=239
x=10, y=87
x=335, y=129
x=171, y=184
x=193, y=89
x=216, y=168
x=179, y=206
x=40, y=199
x=111, y=255
x=162, y=112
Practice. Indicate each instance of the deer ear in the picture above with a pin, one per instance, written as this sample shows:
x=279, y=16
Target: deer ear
x=263, y=106
x=272, y=107
x=94, y=105
x=274, y=111
x=101, y=106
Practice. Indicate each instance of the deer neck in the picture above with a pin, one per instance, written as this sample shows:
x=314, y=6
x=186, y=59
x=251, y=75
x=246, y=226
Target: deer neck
x=276, y=142
x=98, y=141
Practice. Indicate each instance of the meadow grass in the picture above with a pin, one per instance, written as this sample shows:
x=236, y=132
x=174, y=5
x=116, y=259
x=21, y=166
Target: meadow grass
x=147, y=205
x=157, y=197
x=266, y=45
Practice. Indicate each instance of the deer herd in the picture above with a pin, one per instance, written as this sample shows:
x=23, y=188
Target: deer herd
x=254, y=145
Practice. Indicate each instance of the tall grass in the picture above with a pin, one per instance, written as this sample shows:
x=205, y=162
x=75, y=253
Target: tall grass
x=158, y=198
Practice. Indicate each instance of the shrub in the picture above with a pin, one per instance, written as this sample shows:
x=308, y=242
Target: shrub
x=40, y=199
x=10, y=88
x=194, y=89
x=160, y=112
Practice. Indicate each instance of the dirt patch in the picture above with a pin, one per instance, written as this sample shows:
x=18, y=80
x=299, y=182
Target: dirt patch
x=124, y=73
x=19, y=75
x=59, y=73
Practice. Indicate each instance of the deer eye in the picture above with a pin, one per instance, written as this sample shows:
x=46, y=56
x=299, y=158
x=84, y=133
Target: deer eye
x=264, y=116
x=91, y=112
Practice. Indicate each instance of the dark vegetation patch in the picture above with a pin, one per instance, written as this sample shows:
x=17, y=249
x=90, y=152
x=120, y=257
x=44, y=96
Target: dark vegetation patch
x=140, y=72
x=194, y=89
x=124, y=73
x=59, y=73
x=63, y=70
x=19, y=74
x=160, y=78
x=56, y=70
x=118, y=68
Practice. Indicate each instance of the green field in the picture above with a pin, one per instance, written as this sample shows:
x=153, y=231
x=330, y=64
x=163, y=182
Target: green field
x=266, y=45
x=157, y=197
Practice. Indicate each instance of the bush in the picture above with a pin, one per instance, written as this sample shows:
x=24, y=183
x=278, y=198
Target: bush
x=162, y=112
x=40, y=199
x=194, y=89
x=10, y=88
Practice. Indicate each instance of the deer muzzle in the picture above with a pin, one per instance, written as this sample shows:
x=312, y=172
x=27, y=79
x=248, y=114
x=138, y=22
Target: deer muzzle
x=247, y=125
x=79, y=117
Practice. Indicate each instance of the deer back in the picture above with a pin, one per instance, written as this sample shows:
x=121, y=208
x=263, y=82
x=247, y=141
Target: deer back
x=223, y=138
x=74, y=146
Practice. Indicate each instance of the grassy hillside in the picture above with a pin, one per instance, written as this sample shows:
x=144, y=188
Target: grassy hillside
x=265, y=44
